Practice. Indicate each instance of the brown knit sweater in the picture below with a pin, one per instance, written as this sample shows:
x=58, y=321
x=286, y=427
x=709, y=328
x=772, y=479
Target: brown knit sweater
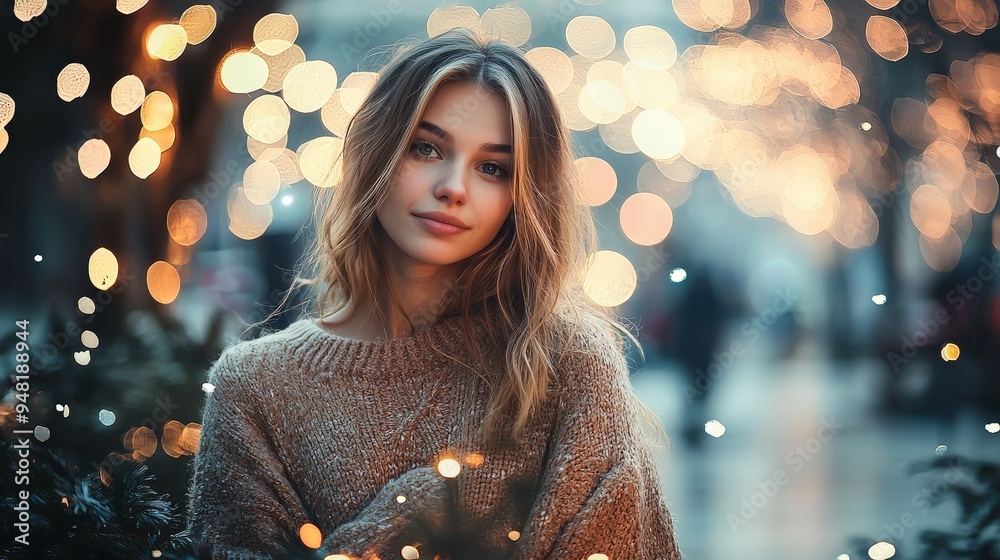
x=305, y=426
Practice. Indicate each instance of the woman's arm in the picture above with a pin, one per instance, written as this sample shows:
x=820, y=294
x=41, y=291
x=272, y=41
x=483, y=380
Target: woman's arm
x=241, y=502
x=600, y=493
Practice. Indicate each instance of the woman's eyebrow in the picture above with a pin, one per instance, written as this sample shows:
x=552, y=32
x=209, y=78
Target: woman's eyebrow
x=447, y=137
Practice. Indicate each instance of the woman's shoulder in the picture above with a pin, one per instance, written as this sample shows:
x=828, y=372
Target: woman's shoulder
x=592, y=352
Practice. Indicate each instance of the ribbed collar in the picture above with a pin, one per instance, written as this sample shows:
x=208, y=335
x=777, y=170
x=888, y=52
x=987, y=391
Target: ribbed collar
x=317, y=349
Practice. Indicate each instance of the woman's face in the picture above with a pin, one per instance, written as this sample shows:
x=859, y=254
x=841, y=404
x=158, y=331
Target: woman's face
x=458, y=164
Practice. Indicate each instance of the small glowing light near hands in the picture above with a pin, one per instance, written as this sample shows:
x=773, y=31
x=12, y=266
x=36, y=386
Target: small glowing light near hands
x=410, y=552
x=514, y=535
x=208, y=388
x=86, y=305
x=106, y=417
x=865, y=126
x=941, y=450
x=287, y=200
x=337, y=557
x=449, y=468
x=678, y=275
x=598, y=557
x=993, y=427
x=89, y=339
x=879, y=299
x=950, y=352
x=714, y=428
x=400, y=499
x=881, y=551
x=310, y=535
x=38, y=258
x=843, y=557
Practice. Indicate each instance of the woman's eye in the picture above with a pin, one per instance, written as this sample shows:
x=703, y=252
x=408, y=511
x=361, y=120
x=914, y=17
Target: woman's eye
x=424, y=149
x=494, y=169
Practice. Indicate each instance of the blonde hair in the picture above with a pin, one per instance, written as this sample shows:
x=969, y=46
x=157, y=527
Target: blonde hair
x=537, y=256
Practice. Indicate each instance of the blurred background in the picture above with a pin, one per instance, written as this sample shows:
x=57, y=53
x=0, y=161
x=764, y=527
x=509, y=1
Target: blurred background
x=796, y=204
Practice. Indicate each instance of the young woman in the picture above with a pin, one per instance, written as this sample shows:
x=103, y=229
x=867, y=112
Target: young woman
x=456, y=393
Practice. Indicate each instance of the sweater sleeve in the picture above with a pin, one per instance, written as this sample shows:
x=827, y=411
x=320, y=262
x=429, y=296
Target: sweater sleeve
x=599, y=492
x=241, y=503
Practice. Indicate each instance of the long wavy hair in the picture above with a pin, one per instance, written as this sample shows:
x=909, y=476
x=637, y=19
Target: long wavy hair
x=528, y=279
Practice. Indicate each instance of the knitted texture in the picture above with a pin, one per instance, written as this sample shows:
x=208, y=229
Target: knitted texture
x=305, y=426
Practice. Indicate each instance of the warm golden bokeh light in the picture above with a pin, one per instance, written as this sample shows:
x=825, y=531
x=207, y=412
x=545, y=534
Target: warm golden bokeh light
x=190, y=438
x=308, y=85
x=409, y=553
x=509, y=24
x=6, y=109
x=887, y=38
x=650, y=47
x=319, y=161
x=334, y=116
x=645, y=218
x=103, y=269
x=144, y=158
x=810, y=18
x=554, y=66
x=658, y=134
x=266, y=119
x=355, y=88
x=288, y=165
x=127, y=95
x=278, y=66
x=243, y=72
x=157, y=111
x=930, y=211
x=187, y=221
x=449, y=468
x=609, y=279
x=164, y=137
x=198, y=22
x=167, y=41
x=142, y=442
x=449, y=17
x=24, y=10
x=590, y=36
x=246, y=219
x=163, y=282
x=598, y=180
x=4, y=139
x=261, y=182
x=310, y=535
x=130, y=6
x=170, y=439
x=274, y=33
x=266, y=152
x=94, y=157
x=72, y=81
x=883, y=4
x=950, y=352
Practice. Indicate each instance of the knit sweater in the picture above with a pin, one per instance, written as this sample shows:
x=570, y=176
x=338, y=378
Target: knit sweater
x=305, y=426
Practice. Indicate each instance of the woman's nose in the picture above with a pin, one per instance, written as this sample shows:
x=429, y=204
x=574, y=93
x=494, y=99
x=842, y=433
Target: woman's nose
x=453, y=185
